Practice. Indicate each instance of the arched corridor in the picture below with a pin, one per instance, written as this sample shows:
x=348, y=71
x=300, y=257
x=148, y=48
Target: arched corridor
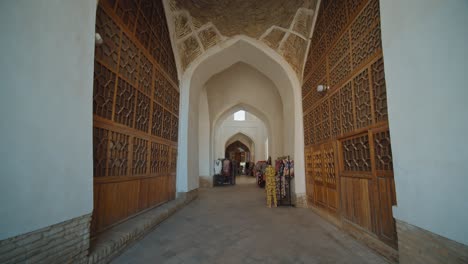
x=161, y=131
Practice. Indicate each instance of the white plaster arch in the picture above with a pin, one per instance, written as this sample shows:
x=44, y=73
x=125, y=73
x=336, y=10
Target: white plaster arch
x=218, y=58
x=229, y=111
x=243, y=138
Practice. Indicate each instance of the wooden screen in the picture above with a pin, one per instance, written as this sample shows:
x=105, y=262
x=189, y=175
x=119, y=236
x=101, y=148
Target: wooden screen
x=348, y=153
x=136, y=108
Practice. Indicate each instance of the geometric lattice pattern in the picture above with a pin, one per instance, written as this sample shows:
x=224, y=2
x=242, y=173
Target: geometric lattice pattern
x=145, y=75
x=100, y=142
x=125, y=103
x=142, y=112
x=356, y=154
x=379, y=91
x=329, y=164
x=158, y=114
x=118, y=158
x=108, y=52
x=103, y=92
x=140, y=156
x=383, y=151
x=317, y=166
x=136, y=49
x=155, y=160
x=128, y=60
x=166, y=125
x=346, y=54
x=126, y=77
x=362, y=100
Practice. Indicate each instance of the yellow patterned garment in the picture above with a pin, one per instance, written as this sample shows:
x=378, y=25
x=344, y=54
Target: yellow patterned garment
x=270, y=185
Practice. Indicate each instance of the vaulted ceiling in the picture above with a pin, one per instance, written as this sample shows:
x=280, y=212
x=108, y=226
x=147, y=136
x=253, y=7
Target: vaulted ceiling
x=284, y=26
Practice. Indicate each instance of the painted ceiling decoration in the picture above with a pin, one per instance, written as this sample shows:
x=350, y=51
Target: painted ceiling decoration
x=285, y=26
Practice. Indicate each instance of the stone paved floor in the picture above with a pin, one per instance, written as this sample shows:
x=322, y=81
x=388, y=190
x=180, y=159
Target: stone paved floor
x=233, y=225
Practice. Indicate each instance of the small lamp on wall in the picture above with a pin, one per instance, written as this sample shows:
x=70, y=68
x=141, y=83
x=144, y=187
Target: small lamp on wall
x=98, y=39
x=322, y=88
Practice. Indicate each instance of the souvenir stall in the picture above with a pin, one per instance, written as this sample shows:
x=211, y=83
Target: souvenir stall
x=284, y=167
x=224, y=172
x=259, y=172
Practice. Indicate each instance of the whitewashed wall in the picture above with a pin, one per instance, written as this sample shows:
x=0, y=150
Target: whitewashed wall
x=426, y=66
x=46, y=72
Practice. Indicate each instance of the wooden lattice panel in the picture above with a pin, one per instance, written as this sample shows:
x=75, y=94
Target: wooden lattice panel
x=354, y=6
x=379, y=91
x=159, y=84
x=341, y=71
x=155, y=48
x=142, y=113
x=165, y=159
x=346, y=109
x=143, y=30
x=317, y=165
x=157, y=120
x=369, y=45
x=307, y=102
x=108, y=52
x=175, y=102
x=127, y=12
x=325, y=112
x=118, y=158
x=317, y=77
x=364, y=21
x=125, y=103
x=356, y=154
x=335, y=115
x=147, y=8
x=337, y=18
x=167, y=95
x=145, y=73
x=100, y=145
x=174, y=128
x=316, y=117
x=140, y=156
x=166, y=132
x=307, y=124
x=362, y=99
x=103, y=91
x=383, y=151
x=329, y=165
x=155, y=158
x=127, y=179
x=317, y=53
x=348, y=125
x=173, y=160
x=339, y=50
x=128, y=60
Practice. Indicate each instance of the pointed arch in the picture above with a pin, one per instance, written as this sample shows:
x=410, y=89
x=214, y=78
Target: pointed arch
x=217, y=59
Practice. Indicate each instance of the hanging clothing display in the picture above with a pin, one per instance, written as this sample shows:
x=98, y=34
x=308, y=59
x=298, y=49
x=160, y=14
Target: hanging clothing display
x=270, y=187
x=218, y=167
x=284, y=173
x=226, y=167
x=259, y=171
x=224, y=173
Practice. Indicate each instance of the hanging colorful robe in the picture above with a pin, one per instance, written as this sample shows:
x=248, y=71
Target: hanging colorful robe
x=270, y=186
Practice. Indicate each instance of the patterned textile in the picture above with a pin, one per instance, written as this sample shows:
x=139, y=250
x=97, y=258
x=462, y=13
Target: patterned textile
x=226, y=168
x=270, y=186
x=218, y=167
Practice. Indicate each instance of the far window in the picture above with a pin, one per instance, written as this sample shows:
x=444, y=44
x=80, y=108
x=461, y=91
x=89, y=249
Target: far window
x=239, y=115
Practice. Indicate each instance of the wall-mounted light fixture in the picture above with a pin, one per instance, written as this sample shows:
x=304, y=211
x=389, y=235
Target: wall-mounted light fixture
x=322, y=88
x=98, y=39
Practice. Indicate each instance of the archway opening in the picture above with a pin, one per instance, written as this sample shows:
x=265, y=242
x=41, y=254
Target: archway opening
x=198, y=109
